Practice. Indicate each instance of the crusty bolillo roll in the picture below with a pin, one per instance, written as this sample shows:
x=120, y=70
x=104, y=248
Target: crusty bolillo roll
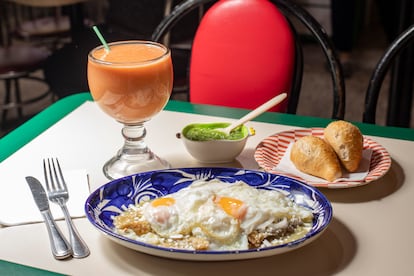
x=347, y=141
x=312, y=155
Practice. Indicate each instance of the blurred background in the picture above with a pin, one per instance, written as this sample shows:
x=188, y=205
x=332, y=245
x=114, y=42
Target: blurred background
x=361, y=24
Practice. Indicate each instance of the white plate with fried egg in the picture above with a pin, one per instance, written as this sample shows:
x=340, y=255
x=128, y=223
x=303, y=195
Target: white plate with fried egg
x=209, y=214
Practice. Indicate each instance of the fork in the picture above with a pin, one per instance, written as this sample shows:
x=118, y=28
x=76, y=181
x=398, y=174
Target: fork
x=58, y=193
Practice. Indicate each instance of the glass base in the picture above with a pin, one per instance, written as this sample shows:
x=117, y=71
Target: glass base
x=122, y=165
x=134, y=156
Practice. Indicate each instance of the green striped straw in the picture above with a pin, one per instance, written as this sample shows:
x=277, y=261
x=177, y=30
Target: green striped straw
x=101, y=38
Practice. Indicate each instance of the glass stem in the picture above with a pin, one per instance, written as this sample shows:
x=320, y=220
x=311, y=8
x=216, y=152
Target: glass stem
x=134, y=140
x=134, y=156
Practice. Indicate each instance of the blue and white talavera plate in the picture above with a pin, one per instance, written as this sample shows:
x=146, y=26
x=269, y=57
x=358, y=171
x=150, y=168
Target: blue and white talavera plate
x=110, y=199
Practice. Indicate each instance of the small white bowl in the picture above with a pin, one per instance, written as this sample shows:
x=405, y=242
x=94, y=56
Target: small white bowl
x=214, y=151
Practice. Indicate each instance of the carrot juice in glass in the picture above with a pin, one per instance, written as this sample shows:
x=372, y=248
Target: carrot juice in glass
x=131, y=82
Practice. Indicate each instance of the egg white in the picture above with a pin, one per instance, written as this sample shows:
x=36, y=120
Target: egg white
x=195, y=212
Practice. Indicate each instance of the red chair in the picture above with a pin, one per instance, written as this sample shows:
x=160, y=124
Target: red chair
x=243, y=54
x=230, y=66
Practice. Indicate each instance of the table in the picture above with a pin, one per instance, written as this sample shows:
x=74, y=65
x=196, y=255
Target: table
x=74, y=8
x=48, y=3
x=370, y=234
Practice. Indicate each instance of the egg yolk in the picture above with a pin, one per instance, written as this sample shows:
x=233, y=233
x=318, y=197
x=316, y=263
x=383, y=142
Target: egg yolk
x=232, y=206
x=163, y=201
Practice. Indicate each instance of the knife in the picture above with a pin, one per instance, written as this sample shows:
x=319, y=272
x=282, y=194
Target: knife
x=60, y=246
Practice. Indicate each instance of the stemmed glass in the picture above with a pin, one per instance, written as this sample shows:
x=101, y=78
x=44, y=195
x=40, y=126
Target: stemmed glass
x=131, y=82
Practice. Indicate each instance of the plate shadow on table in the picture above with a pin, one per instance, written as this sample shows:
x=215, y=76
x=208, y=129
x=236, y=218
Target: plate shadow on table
x=184, y=163
x=244, y=160
x=327, y=255
x=391, y=182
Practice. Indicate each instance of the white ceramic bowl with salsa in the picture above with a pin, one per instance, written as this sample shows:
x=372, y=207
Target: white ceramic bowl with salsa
x=208, y=145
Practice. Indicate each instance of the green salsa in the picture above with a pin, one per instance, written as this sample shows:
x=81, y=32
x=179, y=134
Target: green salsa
x=207, y=132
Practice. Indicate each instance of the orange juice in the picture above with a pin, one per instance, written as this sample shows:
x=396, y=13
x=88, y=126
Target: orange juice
x=133, y=81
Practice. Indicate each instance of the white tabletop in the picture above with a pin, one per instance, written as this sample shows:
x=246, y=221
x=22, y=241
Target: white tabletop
x=370, y=234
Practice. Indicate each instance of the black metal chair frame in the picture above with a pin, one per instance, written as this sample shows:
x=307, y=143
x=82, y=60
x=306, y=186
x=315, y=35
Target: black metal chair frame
x=289, y=9
x=13, y=94
x=380, y=71
x=12, y=85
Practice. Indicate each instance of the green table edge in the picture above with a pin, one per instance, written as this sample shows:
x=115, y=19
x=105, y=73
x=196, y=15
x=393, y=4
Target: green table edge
x=10, y=268
x=55, y=112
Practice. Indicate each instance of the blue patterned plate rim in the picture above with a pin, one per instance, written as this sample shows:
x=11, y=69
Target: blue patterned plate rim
x=114, y=196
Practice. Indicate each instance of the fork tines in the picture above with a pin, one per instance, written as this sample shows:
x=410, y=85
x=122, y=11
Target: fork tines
x=52, y=165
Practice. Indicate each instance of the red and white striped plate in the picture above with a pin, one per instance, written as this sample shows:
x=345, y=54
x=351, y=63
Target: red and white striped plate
x=270, y=151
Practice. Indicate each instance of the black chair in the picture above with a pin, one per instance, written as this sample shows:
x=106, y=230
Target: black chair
x=290, y=10
x=65, y=69
x=17, y=62
x=389, y=59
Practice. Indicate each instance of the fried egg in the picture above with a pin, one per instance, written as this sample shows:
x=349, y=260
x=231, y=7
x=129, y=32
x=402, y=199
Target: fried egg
x=221, y=215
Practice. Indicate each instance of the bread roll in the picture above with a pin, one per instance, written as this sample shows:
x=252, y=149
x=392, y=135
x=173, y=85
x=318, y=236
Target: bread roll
x=312, y=155
x=347, y=141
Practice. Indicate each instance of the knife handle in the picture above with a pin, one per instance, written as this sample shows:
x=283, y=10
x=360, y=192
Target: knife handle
x=61, y=249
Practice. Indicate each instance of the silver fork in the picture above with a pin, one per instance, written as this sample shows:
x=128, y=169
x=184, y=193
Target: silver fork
x=58, y=193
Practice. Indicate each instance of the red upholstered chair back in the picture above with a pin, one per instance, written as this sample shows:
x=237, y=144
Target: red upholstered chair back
x=243, y=54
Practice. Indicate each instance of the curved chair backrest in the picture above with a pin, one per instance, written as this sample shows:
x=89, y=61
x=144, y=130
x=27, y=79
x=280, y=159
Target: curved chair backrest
x=380, y=70
x=242, y=55
x=288, y=9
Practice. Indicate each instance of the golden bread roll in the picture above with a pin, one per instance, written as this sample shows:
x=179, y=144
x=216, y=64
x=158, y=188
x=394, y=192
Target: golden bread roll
x=347, y=141
x=312, y=155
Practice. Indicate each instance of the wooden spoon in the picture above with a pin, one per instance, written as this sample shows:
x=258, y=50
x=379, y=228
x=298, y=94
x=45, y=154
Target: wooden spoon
x=254, y=113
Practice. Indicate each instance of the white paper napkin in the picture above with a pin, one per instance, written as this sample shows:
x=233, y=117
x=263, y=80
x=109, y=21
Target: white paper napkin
x=17, y=205
x=286, y=165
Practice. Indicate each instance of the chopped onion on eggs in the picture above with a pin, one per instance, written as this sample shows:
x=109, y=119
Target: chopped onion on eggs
x=213, y=215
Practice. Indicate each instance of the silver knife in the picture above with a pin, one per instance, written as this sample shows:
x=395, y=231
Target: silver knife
x=61, y=249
